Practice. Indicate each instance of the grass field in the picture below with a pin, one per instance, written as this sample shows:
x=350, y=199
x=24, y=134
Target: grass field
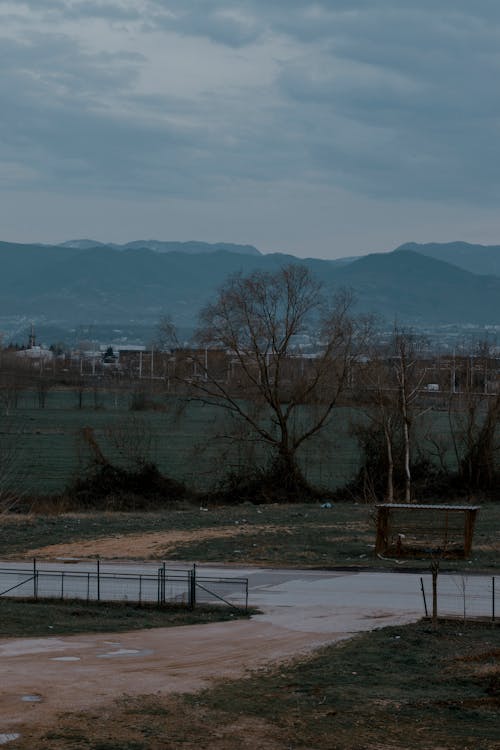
x=192, y=442
x=284, y=535
x=391, y=689
x=188, y=442
x=21, y=619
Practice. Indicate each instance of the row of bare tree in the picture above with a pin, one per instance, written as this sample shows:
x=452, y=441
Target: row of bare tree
x=294, y=346
x=295, y=354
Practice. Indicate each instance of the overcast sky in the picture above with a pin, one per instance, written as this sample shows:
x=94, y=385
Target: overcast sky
x=316, y=128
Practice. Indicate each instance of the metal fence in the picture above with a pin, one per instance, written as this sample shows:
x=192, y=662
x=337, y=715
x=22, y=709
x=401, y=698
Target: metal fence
x=160, y=586
x=463, y=596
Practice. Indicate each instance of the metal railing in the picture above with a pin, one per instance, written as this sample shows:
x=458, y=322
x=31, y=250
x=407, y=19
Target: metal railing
x=161, y=586
x=462, y=596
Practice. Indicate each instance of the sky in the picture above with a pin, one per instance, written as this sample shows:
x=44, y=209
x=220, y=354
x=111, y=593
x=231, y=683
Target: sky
x=322, y=129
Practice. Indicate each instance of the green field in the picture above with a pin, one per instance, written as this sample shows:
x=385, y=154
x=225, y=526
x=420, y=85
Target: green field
x=188, y=441
x=192, y=442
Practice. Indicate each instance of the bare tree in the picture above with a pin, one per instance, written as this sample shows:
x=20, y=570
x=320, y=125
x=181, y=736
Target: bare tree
x=389, y=396
x=379, y=407
x=474, y=418
x=259, y=322
x=407, y=347
x=132, y=440
x=11, y=465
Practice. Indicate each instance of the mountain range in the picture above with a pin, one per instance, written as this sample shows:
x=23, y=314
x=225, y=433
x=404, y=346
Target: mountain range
x=158, y=246
x=87, y=282
x=482, y=259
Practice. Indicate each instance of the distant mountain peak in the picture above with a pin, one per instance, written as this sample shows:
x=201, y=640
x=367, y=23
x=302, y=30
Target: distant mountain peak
x=83, y=244
x=191, y=247
x=475, y=258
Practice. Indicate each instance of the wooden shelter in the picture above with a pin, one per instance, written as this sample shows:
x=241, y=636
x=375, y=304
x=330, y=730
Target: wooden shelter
x=435, y=531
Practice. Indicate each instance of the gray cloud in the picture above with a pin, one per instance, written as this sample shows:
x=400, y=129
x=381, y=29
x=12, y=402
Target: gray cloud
x=394, y=99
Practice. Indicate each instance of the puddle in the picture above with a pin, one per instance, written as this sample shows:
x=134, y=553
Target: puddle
x=4, y=738
x=126, y=652
x=120, y=652
x=65, y=658
x=31, y=698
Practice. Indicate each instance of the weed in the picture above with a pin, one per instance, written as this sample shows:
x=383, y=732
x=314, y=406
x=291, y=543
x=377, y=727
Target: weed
x=28, y=618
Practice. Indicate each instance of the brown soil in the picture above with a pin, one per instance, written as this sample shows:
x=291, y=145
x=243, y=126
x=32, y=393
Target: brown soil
x=143, y=546
x=88, y=671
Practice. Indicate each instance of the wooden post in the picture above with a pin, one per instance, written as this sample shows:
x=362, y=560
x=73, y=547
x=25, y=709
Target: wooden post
x=423, y=596
x=435, y=572
x=163, y=581
x=470, y=519
x=192, y=587
x=382, y=525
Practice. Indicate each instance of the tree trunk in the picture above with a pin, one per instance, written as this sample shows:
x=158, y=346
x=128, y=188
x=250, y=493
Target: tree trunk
x=287, y=475
x=435, y=573
x=390, y=467
x=406, y=433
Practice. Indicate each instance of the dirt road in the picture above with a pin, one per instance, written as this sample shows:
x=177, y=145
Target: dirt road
x=301, y=611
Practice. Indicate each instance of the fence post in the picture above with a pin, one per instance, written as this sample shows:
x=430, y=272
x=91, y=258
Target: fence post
x=493, y=600
x=423, y=596
x=88, y=587
x=140, y=589
x=163, y=580
x=246, y=594
x=192, y=587
x=35, y=580
x=98, y=580
x=62, y=585
x=435, y=573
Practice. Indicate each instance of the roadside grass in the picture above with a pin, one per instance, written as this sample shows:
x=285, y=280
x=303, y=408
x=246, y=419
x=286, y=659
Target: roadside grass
x=25, y=618
x=390, y=689
x=288, y=535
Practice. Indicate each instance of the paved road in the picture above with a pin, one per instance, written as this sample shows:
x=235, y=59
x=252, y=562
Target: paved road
x=316, y=601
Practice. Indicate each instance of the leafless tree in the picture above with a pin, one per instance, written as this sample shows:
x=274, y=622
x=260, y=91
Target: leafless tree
x=131, y=440
x=407, y=349
x=260, y=322
x=10, y=464
x=474, y=418
x=376, y=400
x=389, y=396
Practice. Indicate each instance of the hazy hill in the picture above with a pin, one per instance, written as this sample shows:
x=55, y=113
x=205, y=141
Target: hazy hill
x=482, y=259
x=416, y=288
x=192, y=248
x=69, y=286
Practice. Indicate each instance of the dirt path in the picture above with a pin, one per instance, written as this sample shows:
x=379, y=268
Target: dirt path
x=144, y=546
x=42, y=677
x=302, y=609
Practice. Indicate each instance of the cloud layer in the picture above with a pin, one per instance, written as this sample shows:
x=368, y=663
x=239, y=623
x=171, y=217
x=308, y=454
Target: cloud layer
x=393, y=100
